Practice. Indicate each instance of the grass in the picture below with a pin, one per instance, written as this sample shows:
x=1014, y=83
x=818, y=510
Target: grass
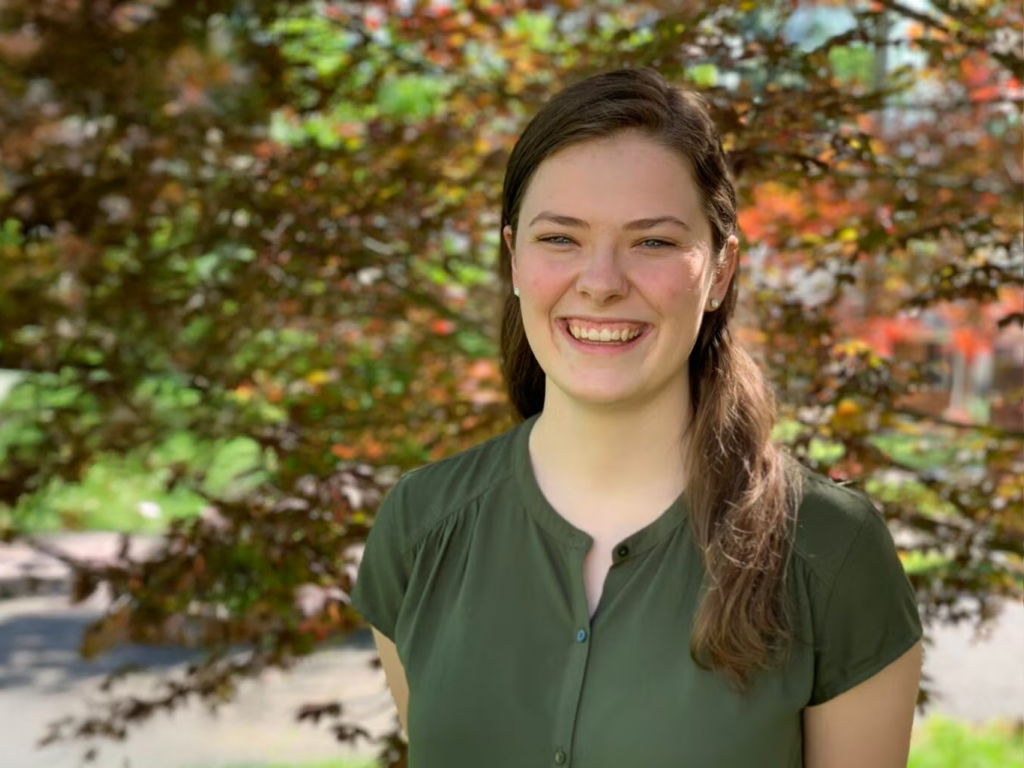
x=938, y=742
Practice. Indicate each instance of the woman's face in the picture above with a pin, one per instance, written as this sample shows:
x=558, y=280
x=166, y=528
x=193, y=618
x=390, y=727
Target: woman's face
x=611, y=240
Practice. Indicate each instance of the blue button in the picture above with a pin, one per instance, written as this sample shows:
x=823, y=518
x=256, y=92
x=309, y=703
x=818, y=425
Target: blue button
x=581, y=636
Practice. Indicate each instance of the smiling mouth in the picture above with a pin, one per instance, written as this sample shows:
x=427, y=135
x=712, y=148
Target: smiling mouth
x=583, y=342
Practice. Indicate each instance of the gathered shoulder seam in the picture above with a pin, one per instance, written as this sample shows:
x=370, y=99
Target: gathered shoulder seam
x=869, y=507
x=420, y=536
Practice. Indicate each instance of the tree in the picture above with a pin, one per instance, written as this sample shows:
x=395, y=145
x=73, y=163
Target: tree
x=279, y=222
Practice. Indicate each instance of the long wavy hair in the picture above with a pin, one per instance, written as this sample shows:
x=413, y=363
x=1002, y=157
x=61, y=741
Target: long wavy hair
x=742, y=489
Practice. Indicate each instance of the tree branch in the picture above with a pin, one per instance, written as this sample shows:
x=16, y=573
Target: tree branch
x=1013, y=63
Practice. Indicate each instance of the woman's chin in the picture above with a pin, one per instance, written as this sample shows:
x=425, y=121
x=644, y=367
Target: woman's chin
x=602, y=396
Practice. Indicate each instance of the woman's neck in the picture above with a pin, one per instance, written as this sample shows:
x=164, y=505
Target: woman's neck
x=615, y=454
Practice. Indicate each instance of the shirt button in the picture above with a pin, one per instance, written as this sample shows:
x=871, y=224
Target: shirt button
x=559, y=756
x=581, y=636
x=622, y=551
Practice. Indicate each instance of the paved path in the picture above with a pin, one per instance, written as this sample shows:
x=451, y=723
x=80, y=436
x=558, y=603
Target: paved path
x=42, y=678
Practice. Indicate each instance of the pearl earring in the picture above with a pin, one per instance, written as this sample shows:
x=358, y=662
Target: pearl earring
x=714, y=303
x=516, y=290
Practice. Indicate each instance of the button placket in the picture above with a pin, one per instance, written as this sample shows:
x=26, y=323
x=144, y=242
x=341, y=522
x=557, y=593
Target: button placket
x=564, y=728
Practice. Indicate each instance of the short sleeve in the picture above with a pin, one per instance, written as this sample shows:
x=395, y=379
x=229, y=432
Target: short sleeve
x=385, y=567
x=870, y=617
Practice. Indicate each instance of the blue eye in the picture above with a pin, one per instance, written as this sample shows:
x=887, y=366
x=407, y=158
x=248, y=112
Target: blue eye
x=552, y=238
x=661, y=243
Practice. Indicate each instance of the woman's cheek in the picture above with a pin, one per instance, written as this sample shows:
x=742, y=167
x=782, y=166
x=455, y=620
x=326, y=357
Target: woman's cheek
x=547, y=280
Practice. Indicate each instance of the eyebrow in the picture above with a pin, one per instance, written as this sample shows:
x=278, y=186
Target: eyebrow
x=572, y=221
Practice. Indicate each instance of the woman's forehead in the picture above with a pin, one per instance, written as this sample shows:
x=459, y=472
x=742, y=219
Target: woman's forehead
x=621, y=179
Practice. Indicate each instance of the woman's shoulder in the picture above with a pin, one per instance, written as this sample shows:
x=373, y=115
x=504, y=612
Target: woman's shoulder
x=834, y=520
x=424, y=496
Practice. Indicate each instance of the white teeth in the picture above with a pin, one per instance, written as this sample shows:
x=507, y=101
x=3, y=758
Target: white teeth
x=603, y=335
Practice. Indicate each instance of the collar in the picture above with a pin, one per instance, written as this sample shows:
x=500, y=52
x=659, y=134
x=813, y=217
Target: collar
x=538, y=506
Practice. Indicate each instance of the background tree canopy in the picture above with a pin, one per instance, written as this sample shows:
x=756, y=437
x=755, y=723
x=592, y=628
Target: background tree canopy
x=269, y=230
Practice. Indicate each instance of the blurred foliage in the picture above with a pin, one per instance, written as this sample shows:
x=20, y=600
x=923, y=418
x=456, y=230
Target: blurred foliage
x=273, y=226
x=941, y=742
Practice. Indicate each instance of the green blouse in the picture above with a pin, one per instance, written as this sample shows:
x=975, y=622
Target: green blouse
x=479, y=582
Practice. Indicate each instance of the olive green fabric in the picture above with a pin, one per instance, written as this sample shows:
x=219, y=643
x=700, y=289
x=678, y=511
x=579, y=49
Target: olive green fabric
x=479, y=581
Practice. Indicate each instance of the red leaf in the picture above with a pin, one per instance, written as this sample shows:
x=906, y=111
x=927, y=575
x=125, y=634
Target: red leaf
x=442, y=326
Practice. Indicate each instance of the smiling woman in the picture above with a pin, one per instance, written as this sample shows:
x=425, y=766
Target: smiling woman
x=635, y=574
x=613, y=265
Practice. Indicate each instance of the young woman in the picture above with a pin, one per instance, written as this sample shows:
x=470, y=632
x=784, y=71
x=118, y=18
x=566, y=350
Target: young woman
x=635, y=576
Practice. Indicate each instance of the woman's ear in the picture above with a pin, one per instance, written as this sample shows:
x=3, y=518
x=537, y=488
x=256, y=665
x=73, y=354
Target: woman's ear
x=506, y=233
x=724, y=274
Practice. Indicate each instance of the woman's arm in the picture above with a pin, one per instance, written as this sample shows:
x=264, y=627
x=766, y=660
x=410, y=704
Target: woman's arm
x=869, y=724
x=394, y=672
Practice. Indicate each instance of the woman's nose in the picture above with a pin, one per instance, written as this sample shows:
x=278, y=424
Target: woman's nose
x=602, y=277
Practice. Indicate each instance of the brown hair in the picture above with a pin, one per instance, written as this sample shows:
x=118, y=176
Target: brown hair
x=742, y=488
